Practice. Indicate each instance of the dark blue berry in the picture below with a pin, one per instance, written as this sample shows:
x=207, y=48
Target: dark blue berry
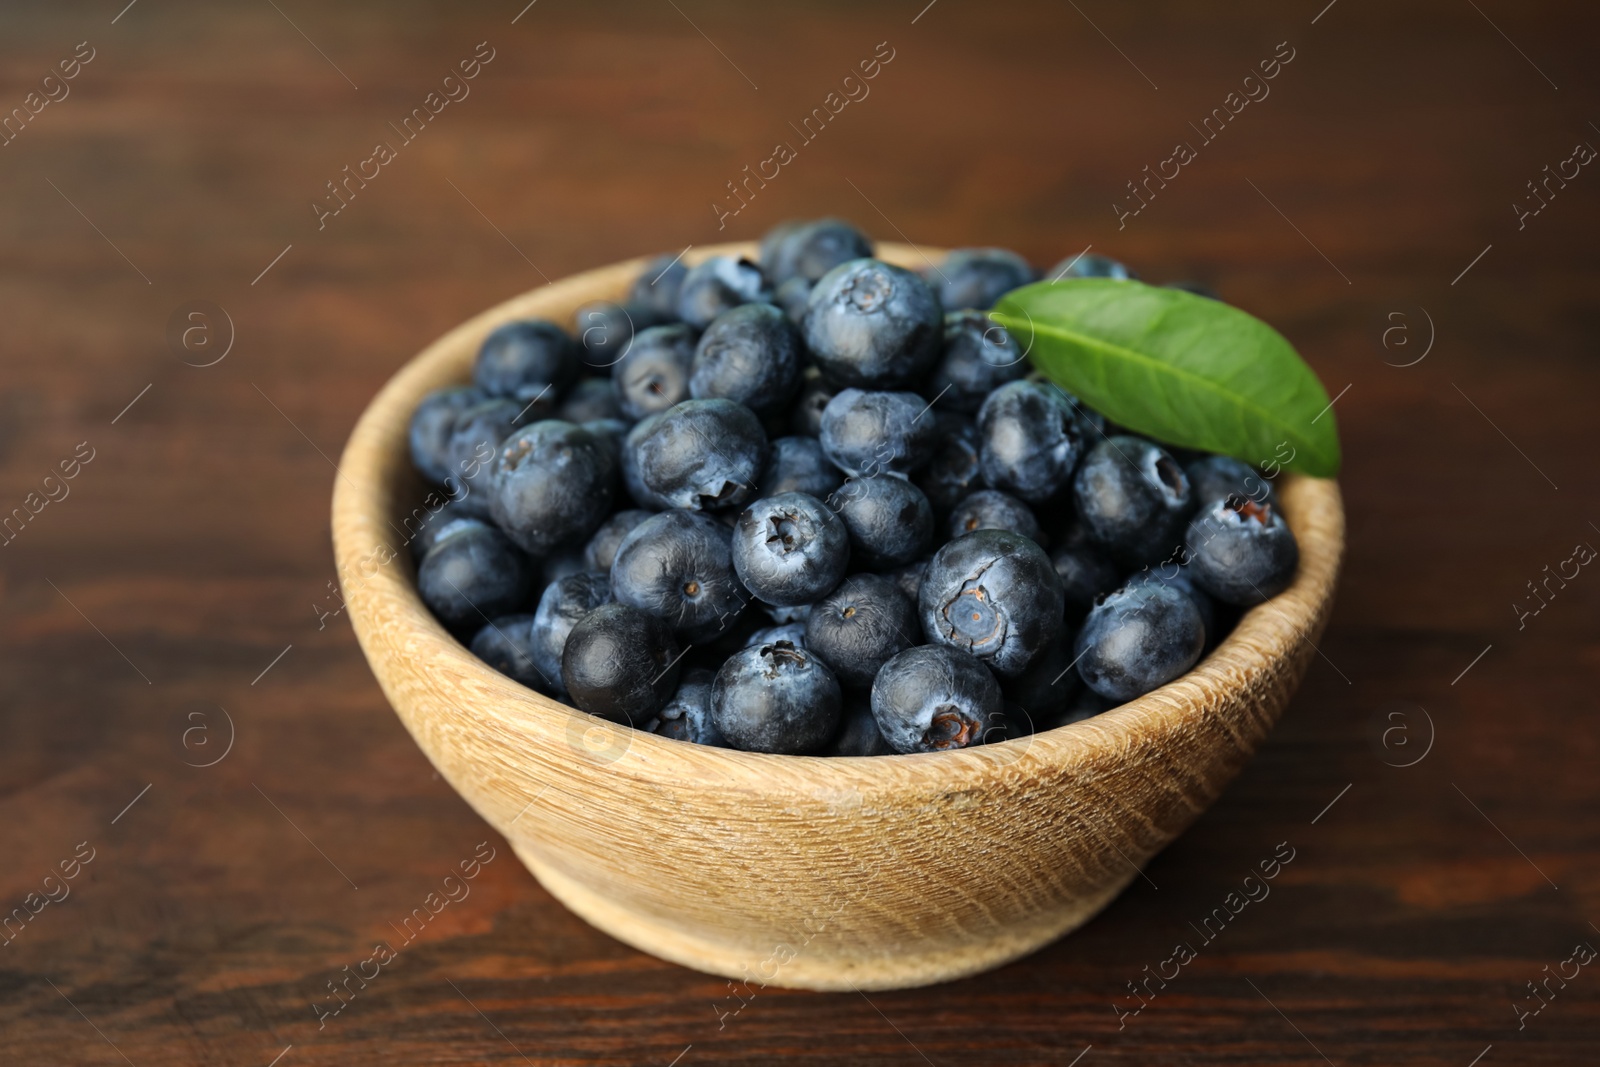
x=606, y=331
x=909, y=577
x=995, y=595
x=977, y=277
x=815, y=393
x=431, y=424
x=783, y=616
x=525, y=360
x=1179, y=577
x=653, y=374
x=858, y=731
x=589, y=400
x=955, y=471
x=1089, y=265
x=472, y=448
x=790, y=549
x=866, y=433
x=931, y=698
x=678, y=566
x=561, y=565
x=990, y=509
x=563, y=604
x=1135, y=640
x=1213, y=478
x=620, y=663
x=808, y=250
x=889, y=519
x=687, y=716
x=979, y=356
x=553, y=483
x=602, y=546
x=1032, y=438
x=873, y=325
x=776, y=698
x=505, y=645
x=792, y=632
x=700, y=454
x=856, y=628
x=718, y=284
x=1040, y=695
x=435, y=526
x=793, y=296
x=472, y=576
x=1133, y=499
x=659, y=283
x=798, y=465
x=1197, y=288
x=1242, y=552
x=750, y=354
x=1085, y=574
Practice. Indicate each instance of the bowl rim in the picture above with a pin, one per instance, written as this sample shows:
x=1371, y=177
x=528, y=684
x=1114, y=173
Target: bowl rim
x=375, y=468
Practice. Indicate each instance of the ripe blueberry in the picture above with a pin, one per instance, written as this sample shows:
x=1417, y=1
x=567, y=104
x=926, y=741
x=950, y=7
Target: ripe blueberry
x=1133, y=499
x=620, y=663
x=931, y=698
x=977, y=277
x=700, y=454
x=867, y=433
x=687, y=716
x=506, y=645
x=750, y=354
x=589, y=400
x=1180, y=578
x=815, y=393
x=775, y=698
x=808, y=250
x=790, y=549
x=1032, y=439
x=873, y=325
x=470, y=450
x=990, y=509
x=798, y=465
x=889, y=519
x=472, y=576
x=995, y=595
x=678, y=566
x=659, y=283
x=860, y=625
x=553, y=483
x=718, y=284
x=602, y=547
x=1135, y=640
x=653, y=374
x=979, y=356
x=1089, y=265
x=525, y=360
x=563, y=604
x=429, y=433
x=1213, y=478
x=955, y=471
x=1242, y=552
x=606, y=330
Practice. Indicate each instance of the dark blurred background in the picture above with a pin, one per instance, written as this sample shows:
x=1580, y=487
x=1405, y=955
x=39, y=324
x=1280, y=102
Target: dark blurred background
x=1376, y=207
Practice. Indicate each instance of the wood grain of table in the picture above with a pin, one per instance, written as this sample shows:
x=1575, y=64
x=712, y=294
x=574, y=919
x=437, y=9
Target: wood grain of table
x=170, y=599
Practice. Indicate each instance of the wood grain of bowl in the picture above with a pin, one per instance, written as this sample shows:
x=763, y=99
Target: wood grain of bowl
x=799, y=871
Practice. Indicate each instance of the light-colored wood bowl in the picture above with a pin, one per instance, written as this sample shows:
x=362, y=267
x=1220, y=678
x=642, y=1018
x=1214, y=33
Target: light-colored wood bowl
x=803, y=871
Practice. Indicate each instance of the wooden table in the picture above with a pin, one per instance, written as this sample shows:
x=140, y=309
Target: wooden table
x=176, y=595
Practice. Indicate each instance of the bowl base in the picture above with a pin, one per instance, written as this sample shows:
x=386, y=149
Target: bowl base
x=814, y=967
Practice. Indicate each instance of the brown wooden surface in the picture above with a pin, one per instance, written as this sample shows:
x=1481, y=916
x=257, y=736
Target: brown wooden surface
x=194, y=547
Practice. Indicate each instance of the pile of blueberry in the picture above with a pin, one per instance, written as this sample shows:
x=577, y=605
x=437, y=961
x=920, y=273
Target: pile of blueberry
x=819, y=504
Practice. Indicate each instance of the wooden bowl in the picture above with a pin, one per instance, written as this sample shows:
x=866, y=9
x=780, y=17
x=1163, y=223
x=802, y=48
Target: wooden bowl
x=803, y=871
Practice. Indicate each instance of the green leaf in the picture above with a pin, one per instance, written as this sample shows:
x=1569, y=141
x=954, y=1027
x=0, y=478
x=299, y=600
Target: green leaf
x=1179, y=368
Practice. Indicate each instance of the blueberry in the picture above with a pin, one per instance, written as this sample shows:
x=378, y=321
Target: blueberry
x=990, y=509
x=775, y=698
x=792, y=632
x=1041, y=693
x=979, y=356
x=873, y=325
x=809, y=250
x=687, y=716
x=1242, y=552
x=610, y=433
x=658, y=285
x=995, y=595
x=790, y=549
x=1138, y=639
x=909, y=577
x=783, y=616
x=590, y=399
x=793, y=296
x=773, y=245
x=525, y=360
x=815, y=393
x=1089, y=265
x=606, y=330
x=858, y=731
x=653, y=374
x=678, y=566
x=1032, y=438
x=1085, y=573
x=506, y=645
x=472, y=447
x=1213, y=478
x=620, y=663
x=561, y=565
x=889, y=519
x=931, y=698
x=867, y=433
x=602, y=547
x=563, y=604
x=1197, y=288
x=798, y=465
x=1133, y=499
x=977, y=277
x=1180, y=578
x=429, y=434
x=553, y=483
x=955, y=471
x=435, y=526
x=700, y=454
x=718, y=284
x=860, y=625
x=750, y=354
x=474, y=575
